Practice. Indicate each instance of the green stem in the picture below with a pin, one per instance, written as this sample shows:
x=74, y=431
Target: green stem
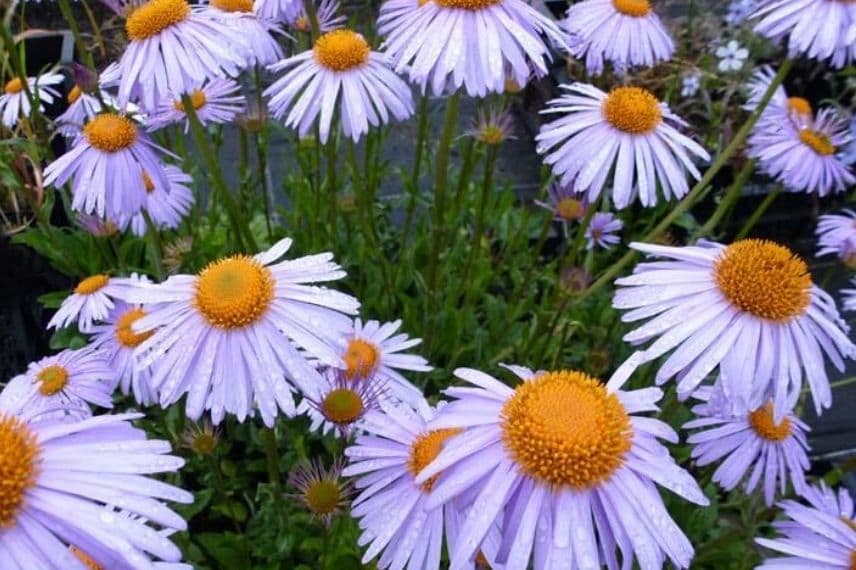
x=484, y=197
x=727, y=202
x=272, y=456
x=96, y=29
x=332, y=190
x=312, y=16
x=579, y=237
x=465, y=174
x=689, y=200
x=155, y=245
x=220, y=489
x=759, y=211
x=421, y=133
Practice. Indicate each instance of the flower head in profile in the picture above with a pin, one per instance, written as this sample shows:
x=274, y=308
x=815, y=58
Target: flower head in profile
x=732, y=56
x=328, y=16
x=322, y=491
x=106, y=165
x=822, y=535
x=625, y=32
x=749, y=308
x=82, y=107
x=224, y=336
x=782, y=107
x=566, y=205
x=258, y=32
x=339, y=75
x=164, y=32
x=492, y=126
x=565, y=469
x=601, y=231
x=341, y=400
x=474, y=44
x=15, y=101
x=753, y=444
x=217, y=101
x=166, y=206
x=627, y=131
x=61, y=483
x=95, y=225
x=836, y=234
x=92, y=300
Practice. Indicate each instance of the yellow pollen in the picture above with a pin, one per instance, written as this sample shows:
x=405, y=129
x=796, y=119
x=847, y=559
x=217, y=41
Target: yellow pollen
x=361, y=358
x=301, y=24
x=341, y=50
x=155, y=16
x=148, y=184
x=110, y=133
x=125, y=333
x=342, y=406
x=197, y=99
x=564, y=429
x=19, y=458
x=762, y=422
x=763, y=278
x=85, y=558
x=570, y=209
x=471, y=5
x=91, y=284
x=849, y=522
x=817, y=141
x=323, y=497
x=481, y=562
x=74, y=95
x=491, y=134
x=425, y=449
x=15, y=85
x=233, y=5
x=234, y=292
x=633, y=8
x=799, y=106
x=52, y=379
x=632, y=110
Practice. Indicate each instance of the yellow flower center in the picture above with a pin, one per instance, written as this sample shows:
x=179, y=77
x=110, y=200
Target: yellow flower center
x=91, y=284
x=148, y=183
x=425, y=449
x=481, y=562
x=632, y=110
x=125, y=333
x=763, y=278
x=52, y=379
x=564, y=429
x=491, y=134
x=471, y=5
x=361, y=358
x=569, y=209
x=233, y=5
x=799, y=106
x=155, y=16
x=341, y=50
x=74, y=95
x=817, y=141
x=634, y=8
x=19, y=458
x=342, y=406
x=203, y=443
x=849, y=522
x=85, y=558
x=762, y=422
x=110, y=133
x=301, y=24
x=234, y=292
x=15, y=85
x=197, y=99
x=323, y=497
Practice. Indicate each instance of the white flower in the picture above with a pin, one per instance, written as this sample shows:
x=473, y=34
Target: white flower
x=691, y=83
x=731, y=56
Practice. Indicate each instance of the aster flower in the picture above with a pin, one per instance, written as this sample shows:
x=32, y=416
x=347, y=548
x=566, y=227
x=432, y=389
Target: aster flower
x=60, y=477
x=825, y=499
x=116, y=340
x=813, y=537
x=340, y=73
x=201, y=438
x=341, y=400
x=92, y=300
x=749, y=307
x=106, y=167
x=15, y=103
x=163, y=32
x=836, y=233
x=804, y=159
x=24, y=396
x=561, y=466
x=257, y=32
x=627, y=130
x=322, y=491
x=752, y=443
x=327, y=13
x=222, y=336
x=625, y=32
x=815, y=28
x=781, y=108
x=277, y=10
x=437, y=43
x=564, y=203
x=602, y=229
x=82, y=107
x=98, y=227
x=218, y=101
x=166, y=206
x=849, y=297
x=492, y=126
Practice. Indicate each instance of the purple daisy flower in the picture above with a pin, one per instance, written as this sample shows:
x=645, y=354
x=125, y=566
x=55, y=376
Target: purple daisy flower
x=222, y=336
x=625, y=32
x=340, y=73
x=174, y=47
x=836, y=234
x=340, y=401
x=750, y=308
x=99, y=227
x=82, y=107
x=277, y=10
x=166, y=206
x=106, y=167
x=602, y=229
x=92, y=300
x=492, y=126
x=849, y=300
x=561, y=466
x=15, y=103
x=328, y=15
x=781, y=108
x=62, y=481
x=627, y=131
x=823, y=498
x=434, y=43
x=217, y=101
x=322, y=491
x=814, y=537
x=566, y=205
x=775, y=451
x=257, y=32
